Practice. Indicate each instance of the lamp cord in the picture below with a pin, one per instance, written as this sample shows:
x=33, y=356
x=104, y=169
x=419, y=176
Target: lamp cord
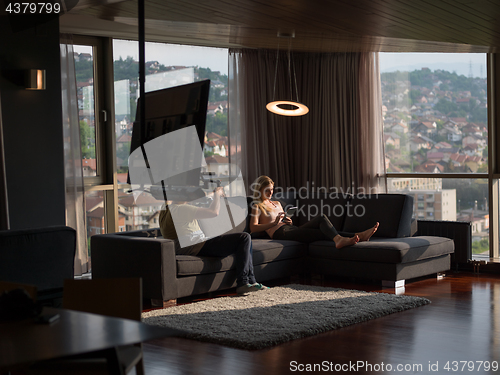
x=276, y=70
x=289, y=73
x=296, y=87
x=289, y=69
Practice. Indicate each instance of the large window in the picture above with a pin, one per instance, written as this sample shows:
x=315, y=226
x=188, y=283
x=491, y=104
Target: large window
x=436, y=136
x=85, y=70
x=435, y=112
x=111, y=206
x=166, y=66
x=88, y=71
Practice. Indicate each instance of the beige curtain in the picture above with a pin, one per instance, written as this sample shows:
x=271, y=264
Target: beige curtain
x=371, y=141
x=339, y=144
x=75, y=194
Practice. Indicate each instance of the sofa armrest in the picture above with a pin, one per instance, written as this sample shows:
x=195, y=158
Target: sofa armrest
x=459, y=231
x=414, y=227
x=42, y=257
x=152, y=259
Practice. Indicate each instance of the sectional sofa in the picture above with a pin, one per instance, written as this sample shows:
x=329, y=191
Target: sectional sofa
x=393, y=255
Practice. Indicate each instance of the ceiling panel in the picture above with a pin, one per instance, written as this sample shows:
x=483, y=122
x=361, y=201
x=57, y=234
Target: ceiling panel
x=319, y=25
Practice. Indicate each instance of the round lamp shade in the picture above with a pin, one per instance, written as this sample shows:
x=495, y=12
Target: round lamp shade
x=280, y=108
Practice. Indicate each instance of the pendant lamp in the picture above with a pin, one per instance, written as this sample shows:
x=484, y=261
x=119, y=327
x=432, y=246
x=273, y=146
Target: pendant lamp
x=287, y=107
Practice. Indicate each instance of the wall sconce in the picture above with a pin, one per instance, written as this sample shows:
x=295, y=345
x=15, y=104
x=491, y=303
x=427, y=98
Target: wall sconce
x=287, y=107
x=34, y=79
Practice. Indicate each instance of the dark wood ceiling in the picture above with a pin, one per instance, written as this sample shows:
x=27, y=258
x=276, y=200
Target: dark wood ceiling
x=319, y=25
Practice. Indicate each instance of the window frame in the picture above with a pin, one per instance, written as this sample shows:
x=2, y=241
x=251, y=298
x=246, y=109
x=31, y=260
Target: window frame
x=493, y=175
x=97, y=53
x=105, y=180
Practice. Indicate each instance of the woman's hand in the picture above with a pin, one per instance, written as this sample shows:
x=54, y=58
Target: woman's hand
x=219, y=190
x=278, y=218
x=287, y=220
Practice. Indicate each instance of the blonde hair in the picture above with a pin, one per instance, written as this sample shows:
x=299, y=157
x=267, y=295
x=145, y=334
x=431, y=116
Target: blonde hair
x=259, y=184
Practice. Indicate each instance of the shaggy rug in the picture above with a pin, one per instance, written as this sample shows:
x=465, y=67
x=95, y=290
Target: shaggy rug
x=277, y=315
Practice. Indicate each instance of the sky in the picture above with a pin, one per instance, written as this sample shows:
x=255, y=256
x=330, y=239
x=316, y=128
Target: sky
x=461, y=63
x=172, y=54
x=216, y=58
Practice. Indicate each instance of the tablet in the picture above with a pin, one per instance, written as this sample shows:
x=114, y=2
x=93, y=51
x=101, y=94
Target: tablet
x=291, y=211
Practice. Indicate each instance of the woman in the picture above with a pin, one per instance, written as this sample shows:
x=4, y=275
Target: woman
x=186, y=222
x=268, y=215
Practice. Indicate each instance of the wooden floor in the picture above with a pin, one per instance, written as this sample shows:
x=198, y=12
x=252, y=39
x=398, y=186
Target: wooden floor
x=461, y=324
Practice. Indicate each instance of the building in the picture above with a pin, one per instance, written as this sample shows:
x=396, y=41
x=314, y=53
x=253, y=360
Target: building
x=435, y=204
x=140, y=213
x=426, y=128
x=431, y=201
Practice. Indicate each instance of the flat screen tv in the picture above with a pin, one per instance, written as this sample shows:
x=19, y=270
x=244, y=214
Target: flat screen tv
x=172, y=109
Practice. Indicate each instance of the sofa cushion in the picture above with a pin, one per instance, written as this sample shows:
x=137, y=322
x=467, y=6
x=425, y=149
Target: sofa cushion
x=264, y=251
x=387, y=250
x=334, y=207
x=392, y=211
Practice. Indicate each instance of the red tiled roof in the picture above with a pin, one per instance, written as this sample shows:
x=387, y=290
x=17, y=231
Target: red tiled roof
x=124, y=138
x=90, y=163
x=98, y=212
x=427, y=124
x=429, y=167
x=443, y=145
x=91, y=202
x=122, y=177
x=471, y=146
x=212, y=135
x=458, y=119
x=216, y=159
x=435, y=155
x=475, y=159
x=418, y=140
x=458, y=157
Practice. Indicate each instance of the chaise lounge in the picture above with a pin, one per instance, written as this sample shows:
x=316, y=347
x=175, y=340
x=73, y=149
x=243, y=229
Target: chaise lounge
x=393, y=255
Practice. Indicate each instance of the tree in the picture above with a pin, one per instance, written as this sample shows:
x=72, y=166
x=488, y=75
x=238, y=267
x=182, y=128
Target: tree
x=468, y=191
x=86, y=136
x=122, y=152
x=217, y=124
x=445, y=106
x=414, y=95
x=481, y=246
x=84, y=70
x=126, y=69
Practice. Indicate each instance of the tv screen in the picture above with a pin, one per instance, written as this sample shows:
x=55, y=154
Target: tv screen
x=169, y=110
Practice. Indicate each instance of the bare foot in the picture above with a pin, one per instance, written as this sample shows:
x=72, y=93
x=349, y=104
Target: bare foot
x=345, y=241
x=366, y=235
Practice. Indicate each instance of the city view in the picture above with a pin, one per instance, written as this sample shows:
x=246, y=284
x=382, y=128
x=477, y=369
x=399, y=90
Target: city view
x=435, y=122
